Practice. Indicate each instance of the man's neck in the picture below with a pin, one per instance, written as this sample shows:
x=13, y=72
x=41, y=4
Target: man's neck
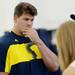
x=16, y=31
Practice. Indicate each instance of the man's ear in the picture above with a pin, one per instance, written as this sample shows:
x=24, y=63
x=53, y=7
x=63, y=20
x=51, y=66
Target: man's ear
x=15, y=18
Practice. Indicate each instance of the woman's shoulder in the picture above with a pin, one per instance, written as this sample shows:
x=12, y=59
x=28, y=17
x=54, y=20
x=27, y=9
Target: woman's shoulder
x=72, y=64
x=70, y=69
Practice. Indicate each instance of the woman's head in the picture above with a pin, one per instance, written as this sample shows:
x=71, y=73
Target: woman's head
x=66, y=43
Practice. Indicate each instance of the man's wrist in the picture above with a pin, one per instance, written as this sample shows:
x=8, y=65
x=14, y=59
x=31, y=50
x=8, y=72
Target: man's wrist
x=38, y=42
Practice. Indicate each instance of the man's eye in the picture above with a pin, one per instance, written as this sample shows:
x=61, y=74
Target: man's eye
x=26, y=19
x=32, y=19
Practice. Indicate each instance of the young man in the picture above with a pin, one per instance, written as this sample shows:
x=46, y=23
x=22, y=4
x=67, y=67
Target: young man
x=22, y=52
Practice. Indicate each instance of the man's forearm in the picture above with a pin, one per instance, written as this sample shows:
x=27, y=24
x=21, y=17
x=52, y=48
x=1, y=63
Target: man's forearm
x=3, y=73
x=49, y=58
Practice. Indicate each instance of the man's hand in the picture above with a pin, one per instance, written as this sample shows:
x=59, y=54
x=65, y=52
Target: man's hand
x=32, y=34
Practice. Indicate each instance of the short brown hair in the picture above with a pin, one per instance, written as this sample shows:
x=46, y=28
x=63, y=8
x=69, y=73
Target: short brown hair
x=25, y=8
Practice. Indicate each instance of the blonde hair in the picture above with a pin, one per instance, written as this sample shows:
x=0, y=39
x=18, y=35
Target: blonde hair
x=66, y=43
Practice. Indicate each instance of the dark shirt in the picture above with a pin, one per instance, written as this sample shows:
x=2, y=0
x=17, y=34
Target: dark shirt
x=16, y=59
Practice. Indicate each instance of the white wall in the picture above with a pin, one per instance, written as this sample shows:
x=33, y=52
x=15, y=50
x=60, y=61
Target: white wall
x=6, y=12
x=51, y=12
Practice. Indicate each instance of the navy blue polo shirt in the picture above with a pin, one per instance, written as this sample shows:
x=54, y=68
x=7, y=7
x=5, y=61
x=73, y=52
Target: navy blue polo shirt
x=16, y=59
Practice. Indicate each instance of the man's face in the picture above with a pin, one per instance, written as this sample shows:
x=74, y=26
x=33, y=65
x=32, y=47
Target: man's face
x=23, y=21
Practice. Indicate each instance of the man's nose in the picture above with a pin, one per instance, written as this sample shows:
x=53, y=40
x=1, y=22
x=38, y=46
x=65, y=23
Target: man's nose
x=30, y=23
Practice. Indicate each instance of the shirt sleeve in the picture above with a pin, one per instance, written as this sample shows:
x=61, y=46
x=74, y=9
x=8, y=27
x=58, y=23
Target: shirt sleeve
x=3, y=53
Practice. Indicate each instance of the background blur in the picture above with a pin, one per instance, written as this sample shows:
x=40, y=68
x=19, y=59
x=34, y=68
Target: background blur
x=51, y=13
